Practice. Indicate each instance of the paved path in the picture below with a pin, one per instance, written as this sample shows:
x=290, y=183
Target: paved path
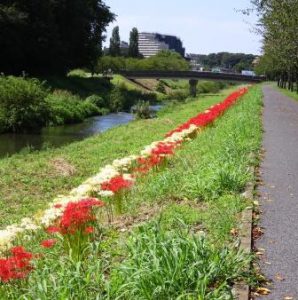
x=279, y=195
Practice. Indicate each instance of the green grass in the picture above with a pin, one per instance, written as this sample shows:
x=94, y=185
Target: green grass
x=185, y=250
x=288, y=93
x=28, y=182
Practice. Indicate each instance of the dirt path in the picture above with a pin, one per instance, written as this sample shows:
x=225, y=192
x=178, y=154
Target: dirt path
x=279, y=195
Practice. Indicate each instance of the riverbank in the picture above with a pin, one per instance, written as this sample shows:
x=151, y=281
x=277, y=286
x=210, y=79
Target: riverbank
x=177, y=218
x=28, y=182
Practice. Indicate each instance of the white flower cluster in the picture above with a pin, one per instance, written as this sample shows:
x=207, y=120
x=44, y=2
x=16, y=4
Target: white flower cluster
x=56, y=208
x=10, y=232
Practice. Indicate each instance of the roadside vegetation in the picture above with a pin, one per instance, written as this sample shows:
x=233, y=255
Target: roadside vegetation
x=289, y=93
x=177, y=234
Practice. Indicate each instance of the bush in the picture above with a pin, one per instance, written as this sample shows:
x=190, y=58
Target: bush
x=209, y=87
x=96, y=100
x=77, y=73
x=142, y=110
x=117, y=99
x=161, y=87
x=22, y=104
x=179, y=95
x=66, y=108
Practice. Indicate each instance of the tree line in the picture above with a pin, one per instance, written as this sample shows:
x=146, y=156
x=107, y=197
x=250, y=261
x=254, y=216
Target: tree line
x=231, y=61
x=278, y=24
x=51, y=36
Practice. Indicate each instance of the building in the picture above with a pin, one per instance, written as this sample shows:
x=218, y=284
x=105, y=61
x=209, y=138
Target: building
x=194, y=62
x=151, y=43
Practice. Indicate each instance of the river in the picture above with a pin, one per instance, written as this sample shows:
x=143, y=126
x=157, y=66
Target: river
x=58, y=136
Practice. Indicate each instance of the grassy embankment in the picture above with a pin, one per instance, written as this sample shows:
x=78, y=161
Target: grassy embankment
x=288, y=93
x=28, y=182
x=184, y=250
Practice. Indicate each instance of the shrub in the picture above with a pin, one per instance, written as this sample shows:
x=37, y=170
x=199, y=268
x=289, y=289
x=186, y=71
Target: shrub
x=22, y=104
x=179, y=95
x=117, y=99
x=96, y=100
x=209, y=87
x=67, y=108
x=161, y=87
x=77, y=73
x=142, y=110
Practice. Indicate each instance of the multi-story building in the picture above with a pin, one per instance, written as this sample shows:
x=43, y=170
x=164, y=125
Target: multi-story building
x=151, y=43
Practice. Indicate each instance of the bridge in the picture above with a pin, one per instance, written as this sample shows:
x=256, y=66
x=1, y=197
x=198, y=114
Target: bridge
x=192, y=76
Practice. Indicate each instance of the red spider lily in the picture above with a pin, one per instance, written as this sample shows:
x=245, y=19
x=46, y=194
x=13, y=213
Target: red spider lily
x=78, y=214
x=17, y=266
x=89, y=230
x=53, y=229
x=203, y=119
x=116, y=184
x=48, y=243
x=164, y=149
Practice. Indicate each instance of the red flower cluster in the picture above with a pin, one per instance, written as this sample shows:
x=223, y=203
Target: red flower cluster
x=17, y=266
x=157, y=156
x=76, y=216
x=48, y=243
x=147, y=163
x=116, y=184
x=203, y=119
x=164, y=149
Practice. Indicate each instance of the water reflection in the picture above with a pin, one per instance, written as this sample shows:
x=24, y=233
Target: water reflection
x=60, y=135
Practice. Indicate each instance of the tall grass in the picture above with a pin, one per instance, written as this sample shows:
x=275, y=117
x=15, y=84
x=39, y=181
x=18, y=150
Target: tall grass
x=176, y=265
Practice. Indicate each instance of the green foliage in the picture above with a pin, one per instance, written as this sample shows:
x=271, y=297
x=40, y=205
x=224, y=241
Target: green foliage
x=164, y=60
x=205, y=87
x=77, y=73
x=51, y=36
x=114, y=49
x=22, y=104
x=133, y=50
x=179, y=95
x=176, y=265
x=117, y=99
x=278, y=25
x=161, y=87
x=231, y=61
x=96, y=100
x=142, y=110
x=66, y=108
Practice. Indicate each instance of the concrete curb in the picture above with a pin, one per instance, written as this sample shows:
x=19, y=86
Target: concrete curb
x=241, y=290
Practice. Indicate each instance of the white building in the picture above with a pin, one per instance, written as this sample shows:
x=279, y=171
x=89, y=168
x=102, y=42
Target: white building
x=152, y=43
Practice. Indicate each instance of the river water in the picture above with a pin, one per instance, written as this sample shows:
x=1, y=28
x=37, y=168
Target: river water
x=55, y=137
x=60, y=135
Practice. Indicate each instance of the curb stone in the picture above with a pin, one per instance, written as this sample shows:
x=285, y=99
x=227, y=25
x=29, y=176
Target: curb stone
x=242, y=290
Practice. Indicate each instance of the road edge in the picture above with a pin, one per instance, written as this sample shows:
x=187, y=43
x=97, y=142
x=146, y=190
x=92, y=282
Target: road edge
x=242, y=290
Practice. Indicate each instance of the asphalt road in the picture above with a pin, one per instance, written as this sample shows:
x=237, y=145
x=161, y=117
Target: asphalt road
x=279, y=195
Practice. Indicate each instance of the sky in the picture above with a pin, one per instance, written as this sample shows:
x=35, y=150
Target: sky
x=204, y=26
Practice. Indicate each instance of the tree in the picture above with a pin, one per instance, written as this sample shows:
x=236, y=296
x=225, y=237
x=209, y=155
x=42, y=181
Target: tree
x=115, y=42
x=51, y=36
x=133, y=50
x=278, y=23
